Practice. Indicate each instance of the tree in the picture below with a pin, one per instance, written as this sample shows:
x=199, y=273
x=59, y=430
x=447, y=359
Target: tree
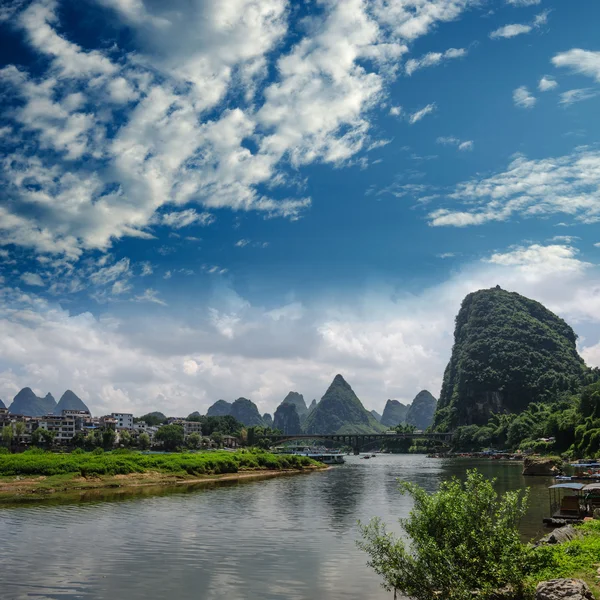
x=125, y=438
x=108, y=438
x=194, y=440
x=20, y=429
x=7, y=435
x=464, y=541
x=171, y=436
x=144, y=441
x=43, y=437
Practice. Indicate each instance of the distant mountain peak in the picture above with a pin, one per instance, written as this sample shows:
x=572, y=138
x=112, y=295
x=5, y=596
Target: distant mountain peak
x=339, y=380
x=69, y=401
x=27, y=403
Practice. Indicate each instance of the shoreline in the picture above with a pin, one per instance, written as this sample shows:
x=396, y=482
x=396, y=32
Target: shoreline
x=39, y=488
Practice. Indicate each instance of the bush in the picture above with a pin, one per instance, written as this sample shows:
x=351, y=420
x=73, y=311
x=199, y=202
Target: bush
x=464, y=539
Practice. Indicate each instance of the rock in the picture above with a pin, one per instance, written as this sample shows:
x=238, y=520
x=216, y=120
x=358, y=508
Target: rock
x=298, y=401
x=220, y=408
x=560, y=535
x=541, y=466
x=69, y=401
x=421, y=410
x=394, y=413
x=556, y=589
x=246, y=412
x=287, y=419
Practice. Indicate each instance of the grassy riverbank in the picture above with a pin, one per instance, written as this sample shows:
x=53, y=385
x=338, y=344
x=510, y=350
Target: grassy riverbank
x=579, y=559
x=38, y=474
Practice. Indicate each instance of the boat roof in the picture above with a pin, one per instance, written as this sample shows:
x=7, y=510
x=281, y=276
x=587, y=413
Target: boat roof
x=594, y=464
x=571, y=485
x=591, y=486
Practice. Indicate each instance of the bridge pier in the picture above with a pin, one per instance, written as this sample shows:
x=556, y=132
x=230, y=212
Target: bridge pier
x=356, y=450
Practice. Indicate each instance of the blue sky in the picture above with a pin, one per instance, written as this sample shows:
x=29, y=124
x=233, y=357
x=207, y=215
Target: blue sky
x=206, y=200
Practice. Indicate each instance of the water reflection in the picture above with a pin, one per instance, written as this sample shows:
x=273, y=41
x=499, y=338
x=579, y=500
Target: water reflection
x=289, y=537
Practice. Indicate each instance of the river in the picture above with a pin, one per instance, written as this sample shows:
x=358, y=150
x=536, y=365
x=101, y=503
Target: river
x=290, y=537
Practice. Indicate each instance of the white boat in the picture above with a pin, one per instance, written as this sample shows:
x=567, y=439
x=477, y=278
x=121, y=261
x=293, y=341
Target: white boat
x=327, y=457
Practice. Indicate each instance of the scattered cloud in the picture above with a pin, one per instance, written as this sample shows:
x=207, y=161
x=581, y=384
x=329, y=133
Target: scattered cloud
x=510, y=31
x=446, y=255
x=33, y=279
x=567, y=185
x=147, y=269
x=149, y=295
x=395, y=111
x=419, y=114
x=579, y=95
x=547, y=83
x=523, y=98
x=432, y=59
x=523, y=2
x=453, y=141
x=584, y=62
x=185, y=218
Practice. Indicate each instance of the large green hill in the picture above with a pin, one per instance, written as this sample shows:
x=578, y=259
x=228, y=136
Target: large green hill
x=508, y=351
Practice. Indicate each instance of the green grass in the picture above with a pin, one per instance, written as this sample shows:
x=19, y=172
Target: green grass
x=575, y=559
x=92, y=464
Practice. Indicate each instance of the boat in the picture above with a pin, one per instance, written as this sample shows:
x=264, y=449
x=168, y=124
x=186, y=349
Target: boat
x=373, y=455
x=327, y=457
x=572, y=502
x=365, y=457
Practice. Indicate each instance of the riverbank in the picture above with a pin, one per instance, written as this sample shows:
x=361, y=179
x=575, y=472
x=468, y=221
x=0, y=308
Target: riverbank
x=35, y=475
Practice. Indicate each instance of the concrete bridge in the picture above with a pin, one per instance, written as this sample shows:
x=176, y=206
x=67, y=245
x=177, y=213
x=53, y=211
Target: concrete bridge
x=359, y=440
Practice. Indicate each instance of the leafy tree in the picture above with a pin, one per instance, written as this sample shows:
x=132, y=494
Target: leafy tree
x=154, y=419
x=464, y=540
x=7, y=435
x=20, y=429
x=91, y=440
x=43, y=437
x=194, y=440
x=171, y=436
x=108, y=438
x=125, y=438
x=144, y=441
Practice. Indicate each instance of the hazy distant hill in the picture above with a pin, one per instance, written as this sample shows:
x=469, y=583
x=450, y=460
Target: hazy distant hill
x=298, y=401
x=267, y=420
x=220, y=408
x=394, y=413
x=27, y=403
x=2, y=405
x=287, y=419
x=421, y=411
x=70, y=401
x=376, y=415
x=340, y=411
x=246, y=412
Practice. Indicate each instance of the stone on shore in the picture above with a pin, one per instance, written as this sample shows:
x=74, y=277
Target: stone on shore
x=541, y=466
x=558, y=589
x=560, y=535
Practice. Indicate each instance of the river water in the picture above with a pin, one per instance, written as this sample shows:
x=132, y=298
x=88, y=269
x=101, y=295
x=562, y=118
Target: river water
x=290, y=537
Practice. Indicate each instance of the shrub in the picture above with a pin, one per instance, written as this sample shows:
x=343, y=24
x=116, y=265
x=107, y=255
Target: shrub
x=464, y=540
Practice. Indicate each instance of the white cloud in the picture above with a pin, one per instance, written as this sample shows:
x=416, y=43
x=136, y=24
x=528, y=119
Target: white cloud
x=187, y=217
x=32, y=279
x=541, y=19
x=147, y=269
x=510, y=31
x=466, y=145
x=432, y=59
x=418, y=115
x=523, y=98
x=109, y=274
x=567, y=185
x=579, y=95
x=524, y=2
x=547, y=83
x=580, y=61
x=395, y=111
x=150, y=295
x=386, y=344
x=241, y=243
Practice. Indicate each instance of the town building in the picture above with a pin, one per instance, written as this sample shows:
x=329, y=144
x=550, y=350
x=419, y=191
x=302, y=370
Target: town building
x=124, y=420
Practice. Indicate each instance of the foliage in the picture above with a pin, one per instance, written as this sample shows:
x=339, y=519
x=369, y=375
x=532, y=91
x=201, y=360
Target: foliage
x=463, y=539
x=171, y=436
x=421, y=410
x=227, y=425
x=509, y=351
x=153, y=419
x=43, y=437
x=123, y=462
x=7, y=435
x=144, y=441
x=255, y=436
x=193, y=440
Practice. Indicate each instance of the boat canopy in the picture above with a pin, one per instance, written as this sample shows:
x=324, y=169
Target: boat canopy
x=571, y=485
x=591, y=487
x=595, y=464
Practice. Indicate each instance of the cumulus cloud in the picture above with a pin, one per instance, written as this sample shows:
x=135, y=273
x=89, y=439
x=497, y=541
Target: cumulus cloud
x=510, y=31
x=432, y=59
x=187, y=217
x=104, y=141
x=523, y=2
x=386, y=344
x=423, y=112
x=585, y=62
x=523, y=98
x=568, y=185
x=547, y=83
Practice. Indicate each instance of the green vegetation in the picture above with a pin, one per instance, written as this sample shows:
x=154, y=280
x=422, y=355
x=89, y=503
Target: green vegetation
x=123, y=462
x=171, y=436
x=577, y=558
x=226, y=425
x=463, y=539
x=153, y=419
x=509, y=351
x=572, y=426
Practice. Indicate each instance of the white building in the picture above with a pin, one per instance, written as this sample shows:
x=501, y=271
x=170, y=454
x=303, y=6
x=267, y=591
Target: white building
x=124, y=420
